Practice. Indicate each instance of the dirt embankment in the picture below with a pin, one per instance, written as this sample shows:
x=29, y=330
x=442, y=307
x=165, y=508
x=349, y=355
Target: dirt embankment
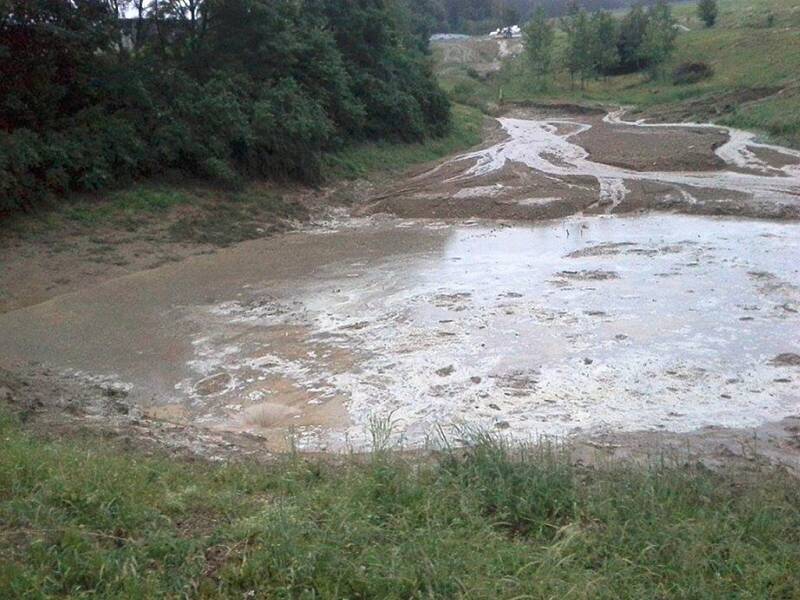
x=706, y=108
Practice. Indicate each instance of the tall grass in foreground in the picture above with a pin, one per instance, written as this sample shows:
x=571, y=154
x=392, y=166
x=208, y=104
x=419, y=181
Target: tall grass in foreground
x=83, y=517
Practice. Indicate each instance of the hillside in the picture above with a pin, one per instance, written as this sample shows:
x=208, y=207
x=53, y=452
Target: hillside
x=755, y=85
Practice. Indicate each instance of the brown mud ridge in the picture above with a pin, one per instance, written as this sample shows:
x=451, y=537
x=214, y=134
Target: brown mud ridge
x=544, y=163
x=53, y=405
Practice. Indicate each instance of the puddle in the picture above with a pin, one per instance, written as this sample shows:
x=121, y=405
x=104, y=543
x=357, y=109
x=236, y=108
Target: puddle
x=607, y=323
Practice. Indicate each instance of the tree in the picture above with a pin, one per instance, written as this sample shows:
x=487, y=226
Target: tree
x=604, y=37
x=629, y=42
x=214, y=88
x=707, y=11
x=578, y=58
x=658, y=42
x=539, y=37
x=505, y=14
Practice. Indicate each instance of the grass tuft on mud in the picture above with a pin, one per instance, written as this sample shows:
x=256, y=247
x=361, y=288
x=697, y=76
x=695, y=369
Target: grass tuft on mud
x=87, y=516
x=244, y=216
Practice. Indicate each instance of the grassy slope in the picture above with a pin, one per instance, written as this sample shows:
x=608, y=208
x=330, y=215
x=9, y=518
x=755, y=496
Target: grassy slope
x=387, y=158
x=743, y=51
x=82, y=517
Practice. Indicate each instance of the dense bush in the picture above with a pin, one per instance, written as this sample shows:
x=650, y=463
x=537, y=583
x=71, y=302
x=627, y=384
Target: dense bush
x=691, y=72
x=216, y=88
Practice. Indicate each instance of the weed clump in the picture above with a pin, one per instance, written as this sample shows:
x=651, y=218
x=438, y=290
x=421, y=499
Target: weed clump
x=691, y=72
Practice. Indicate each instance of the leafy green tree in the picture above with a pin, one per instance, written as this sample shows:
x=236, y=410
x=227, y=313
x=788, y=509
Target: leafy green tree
x=539, y=37
x=215, y=88
x=578, y=55
x=629, y=41
x=707, y=11
x=658, y=43
x=504, y=13
x=604, y=37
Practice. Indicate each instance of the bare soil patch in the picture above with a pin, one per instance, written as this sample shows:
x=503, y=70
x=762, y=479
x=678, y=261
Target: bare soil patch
x=679, y=149
x=573, y=160
x=66, y=249
x=50, y=262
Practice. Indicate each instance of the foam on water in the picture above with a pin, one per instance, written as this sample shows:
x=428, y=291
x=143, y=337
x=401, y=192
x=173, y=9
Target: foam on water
x=599, y=324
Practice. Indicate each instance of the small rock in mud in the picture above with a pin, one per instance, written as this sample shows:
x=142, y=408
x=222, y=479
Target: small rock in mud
x=120, y=408
x=213, y=385
x=787, y=359
x=587, y=361
x=113, y=392
x=593, y=275
x=606, y=249
x=445, y=371
x=760, y=275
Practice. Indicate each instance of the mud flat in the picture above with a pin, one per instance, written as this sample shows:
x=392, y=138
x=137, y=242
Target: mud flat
x=546, y=303
x=550, y=165
x=584, y=326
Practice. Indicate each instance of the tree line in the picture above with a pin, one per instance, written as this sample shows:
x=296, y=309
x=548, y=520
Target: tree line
x=481, y=16
x=597, y=44
x=94, y=93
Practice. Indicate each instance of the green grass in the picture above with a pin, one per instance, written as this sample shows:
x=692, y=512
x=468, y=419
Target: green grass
x=236, y=217
x=83, y=517
x=391, y=158
x=743, y=51
x=137, y=200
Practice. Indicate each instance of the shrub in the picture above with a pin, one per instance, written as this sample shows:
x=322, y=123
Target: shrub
x=691, y=72
x=265, y=91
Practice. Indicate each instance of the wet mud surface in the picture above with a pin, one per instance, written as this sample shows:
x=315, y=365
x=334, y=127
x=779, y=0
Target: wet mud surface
x=586, y=326
x=617, y=330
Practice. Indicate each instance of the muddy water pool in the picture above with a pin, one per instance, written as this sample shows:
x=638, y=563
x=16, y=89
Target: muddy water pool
x=606, y=323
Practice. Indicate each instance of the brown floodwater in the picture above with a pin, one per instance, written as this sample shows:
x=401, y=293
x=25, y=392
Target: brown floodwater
x=587, y=324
